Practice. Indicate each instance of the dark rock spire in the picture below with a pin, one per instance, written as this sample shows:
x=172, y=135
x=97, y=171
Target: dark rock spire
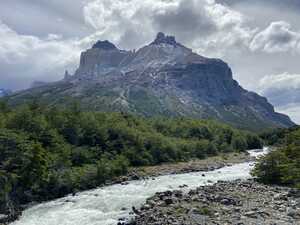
x=105, y=45
x=161, y=38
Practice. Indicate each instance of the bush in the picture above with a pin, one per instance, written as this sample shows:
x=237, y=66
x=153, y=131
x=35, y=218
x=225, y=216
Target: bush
x=281, y=166
x=239, y=143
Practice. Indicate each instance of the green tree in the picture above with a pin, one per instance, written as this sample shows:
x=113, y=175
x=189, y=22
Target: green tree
x=269, y=169
x=239, y=143
x=281, y=166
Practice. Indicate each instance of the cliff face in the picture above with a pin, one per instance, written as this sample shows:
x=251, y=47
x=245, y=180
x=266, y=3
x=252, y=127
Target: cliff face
x=162, y=78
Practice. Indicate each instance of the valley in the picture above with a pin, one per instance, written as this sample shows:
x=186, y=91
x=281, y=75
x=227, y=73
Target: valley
x=153, y=112
x=93, y=147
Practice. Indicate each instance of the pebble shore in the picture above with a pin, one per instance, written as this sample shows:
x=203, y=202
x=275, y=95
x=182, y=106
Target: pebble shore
x=223, y=203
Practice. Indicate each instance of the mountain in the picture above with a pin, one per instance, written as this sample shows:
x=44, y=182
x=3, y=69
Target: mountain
x=4, y=92
x=162, y=78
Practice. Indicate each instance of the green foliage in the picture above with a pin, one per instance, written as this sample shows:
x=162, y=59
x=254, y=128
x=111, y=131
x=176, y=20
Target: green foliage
x=205, y=211
x=47, y=152
x=253, y=141
x=239, y=142
x=277, y=137
x=281, y=166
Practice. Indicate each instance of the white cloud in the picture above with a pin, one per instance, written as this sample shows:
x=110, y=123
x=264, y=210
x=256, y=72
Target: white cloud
x=293, y=110
x=15, y=48
x=282, y=89
x=209, y=27
x=28, y=57
x=277, y=37
x=53, y=37
x=281, y=81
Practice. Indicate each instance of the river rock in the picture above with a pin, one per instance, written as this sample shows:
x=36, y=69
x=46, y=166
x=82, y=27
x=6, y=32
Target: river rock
x=239, y=202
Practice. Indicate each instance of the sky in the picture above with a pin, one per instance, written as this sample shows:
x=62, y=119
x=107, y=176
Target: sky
x=259, y=39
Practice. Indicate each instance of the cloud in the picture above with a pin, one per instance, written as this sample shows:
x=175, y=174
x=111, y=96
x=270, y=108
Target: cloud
x=287, y=4
x=292, y=110
x=204, y=25
x=277, y=37
x=25, y=57
x=41, y=17
x=282, y=89
x=185, y=16
x=120, y=20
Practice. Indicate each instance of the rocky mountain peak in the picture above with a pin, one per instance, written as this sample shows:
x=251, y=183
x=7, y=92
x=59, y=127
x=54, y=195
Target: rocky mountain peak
x=161, y=38
x=162, y=78
x=104, y=45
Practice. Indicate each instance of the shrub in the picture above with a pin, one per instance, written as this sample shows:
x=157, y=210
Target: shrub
x=281, y=166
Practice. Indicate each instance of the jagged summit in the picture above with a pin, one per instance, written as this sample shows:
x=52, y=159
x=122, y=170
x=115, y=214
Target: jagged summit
x=161, y=38
x=104, y=45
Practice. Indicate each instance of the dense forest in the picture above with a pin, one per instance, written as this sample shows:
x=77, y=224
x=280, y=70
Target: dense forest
x=47, y=153
x=281, y=166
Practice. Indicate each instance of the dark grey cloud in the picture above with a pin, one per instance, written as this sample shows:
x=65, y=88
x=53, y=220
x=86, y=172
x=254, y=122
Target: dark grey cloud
x=291, y=4
x=283, y=98
x=41, y=17
x=183, y=19
x=263, y=12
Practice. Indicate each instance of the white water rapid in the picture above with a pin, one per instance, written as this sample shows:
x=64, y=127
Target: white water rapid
x=104, y=206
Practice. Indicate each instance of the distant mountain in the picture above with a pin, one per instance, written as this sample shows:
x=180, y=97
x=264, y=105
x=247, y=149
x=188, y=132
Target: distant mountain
x=4, y=92
x=162, y=78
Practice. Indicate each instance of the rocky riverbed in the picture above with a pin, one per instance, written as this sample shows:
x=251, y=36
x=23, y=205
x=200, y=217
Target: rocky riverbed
x=237, y=202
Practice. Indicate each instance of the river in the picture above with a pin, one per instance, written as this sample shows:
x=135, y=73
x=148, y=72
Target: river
x=104, y=206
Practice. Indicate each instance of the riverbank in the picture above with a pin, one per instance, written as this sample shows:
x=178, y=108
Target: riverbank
x=204, y=165
x=236, y=202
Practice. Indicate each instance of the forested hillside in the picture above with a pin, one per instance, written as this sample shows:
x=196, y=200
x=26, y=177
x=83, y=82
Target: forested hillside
x=47, y=153
x=281, y=166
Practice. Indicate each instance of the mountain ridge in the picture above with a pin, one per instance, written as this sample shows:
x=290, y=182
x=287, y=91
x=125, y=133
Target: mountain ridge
x=4, y=92
x=163, y=78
